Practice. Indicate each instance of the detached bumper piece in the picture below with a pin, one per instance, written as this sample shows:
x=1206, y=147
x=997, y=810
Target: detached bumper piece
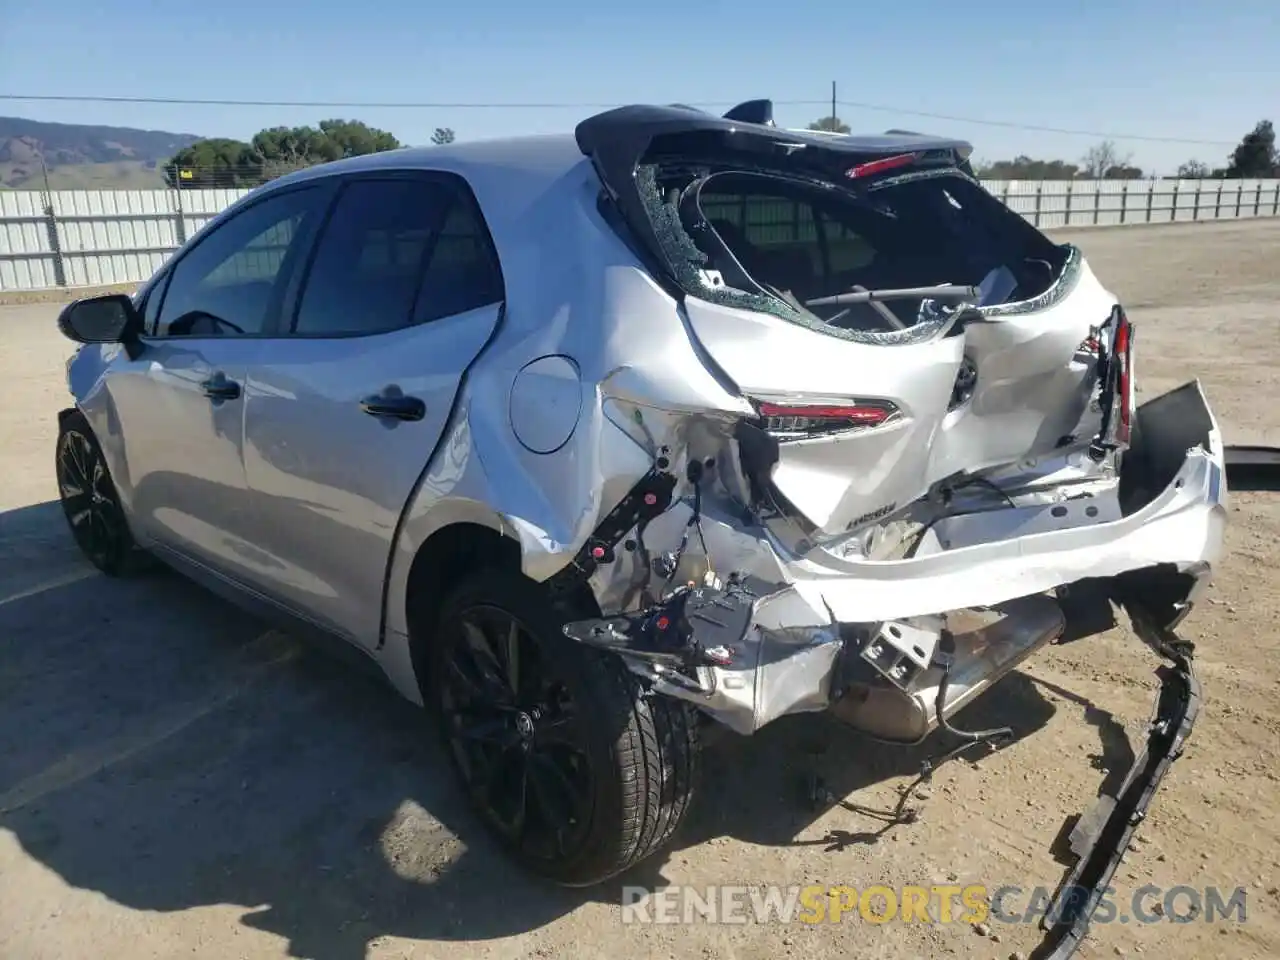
x=1100, y=838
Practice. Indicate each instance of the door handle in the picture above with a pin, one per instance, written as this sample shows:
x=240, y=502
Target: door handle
x=218, y=387
x=394, y=405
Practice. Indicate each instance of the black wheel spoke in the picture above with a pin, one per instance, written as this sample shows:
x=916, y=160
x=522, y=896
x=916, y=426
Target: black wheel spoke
x=510, y=647
x=501, y=783
x=474, y=686
x=558, y=802
x=477, y=668
x=563, y=730
x=496, y=730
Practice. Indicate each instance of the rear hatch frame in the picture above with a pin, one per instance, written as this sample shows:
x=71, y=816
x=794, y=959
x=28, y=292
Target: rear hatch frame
x=617, y=141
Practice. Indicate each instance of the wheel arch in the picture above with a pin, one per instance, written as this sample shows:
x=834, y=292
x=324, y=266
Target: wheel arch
x=453, y=553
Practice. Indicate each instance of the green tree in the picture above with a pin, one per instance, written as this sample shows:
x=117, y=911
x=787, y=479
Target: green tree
x=1193, y=170
x=1256, y=155
x=273, y=152
x=355, y=139
x=830, y=124
x=442, y=136
x=219, y=162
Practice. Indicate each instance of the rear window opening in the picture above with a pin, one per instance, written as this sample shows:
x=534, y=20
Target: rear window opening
x=773, y=241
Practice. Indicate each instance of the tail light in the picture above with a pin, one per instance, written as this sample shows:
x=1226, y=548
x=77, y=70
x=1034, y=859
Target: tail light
x=795, y=421
x=872, y=167
x=1124, y=379
x=1117, y=386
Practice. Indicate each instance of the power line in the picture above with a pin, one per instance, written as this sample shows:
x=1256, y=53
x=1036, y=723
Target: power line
x=1032, y=126
x=373, y=104
x=477, y=105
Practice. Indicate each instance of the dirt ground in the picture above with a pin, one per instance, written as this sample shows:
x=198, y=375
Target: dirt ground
x=178, y=781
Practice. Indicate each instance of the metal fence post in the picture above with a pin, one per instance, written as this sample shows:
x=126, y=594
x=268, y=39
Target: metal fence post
x=1275, y=199
x=1151, y=196
x=1124, y=202
x=1195, y=211
x=1257, y=199
x=1239, y=193
x=1097, y=202
x=1036, y=212
x=180, y=221
x=1173, y=207
x=1217, y=202
x=55, y=243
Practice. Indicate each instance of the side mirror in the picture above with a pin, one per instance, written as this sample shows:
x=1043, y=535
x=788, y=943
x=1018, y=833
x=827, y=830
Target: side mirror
x=105, y=319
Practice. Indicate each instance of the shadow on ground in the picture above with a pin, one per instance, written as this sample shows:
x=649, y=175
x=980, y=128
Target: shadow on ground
x=162, y=749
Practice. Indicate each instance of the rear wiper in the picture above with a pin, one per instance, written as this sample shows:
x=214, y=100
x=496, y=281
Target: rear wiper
x=946, y=292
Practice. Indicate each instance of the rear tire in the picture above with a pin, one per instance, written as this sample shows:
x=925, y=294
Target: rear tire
x=570, y=766
x=91, y=503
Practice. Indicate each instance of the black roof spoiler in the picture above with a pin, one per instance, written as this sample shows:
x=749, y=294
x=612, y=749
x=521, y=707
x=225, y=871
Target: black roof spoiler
x=753, y=111
x=618, y=139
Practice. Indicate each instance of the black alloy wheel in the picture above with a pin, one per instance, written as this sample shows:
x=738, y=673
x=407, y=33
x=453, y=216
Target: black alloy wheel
x=516, y=735
x=576, y=768
x=90, y=501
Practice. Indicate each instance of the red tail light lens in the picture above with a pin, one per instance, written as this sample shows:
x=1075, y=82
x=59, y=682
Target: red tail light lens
x=872, y=167
x=798, y=420
x=1124, y=382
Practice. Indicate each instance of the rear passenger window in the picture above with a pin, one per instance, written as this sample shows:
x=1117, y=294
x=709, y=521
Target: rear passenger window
x=462, y=273
x=395, y=252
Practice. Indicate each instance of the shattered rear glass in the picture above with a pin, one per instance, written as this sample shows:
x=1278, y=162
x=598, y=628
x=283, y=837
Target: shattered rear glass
x=792, y=240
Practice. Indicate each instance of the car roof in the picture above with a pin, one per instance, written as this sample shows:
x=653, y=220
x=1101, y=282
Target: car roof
x=545, y=157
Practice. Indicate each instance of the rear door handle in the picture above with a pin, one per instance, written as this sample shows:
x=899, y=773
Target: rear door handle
x=218, y=387
x=394, y=405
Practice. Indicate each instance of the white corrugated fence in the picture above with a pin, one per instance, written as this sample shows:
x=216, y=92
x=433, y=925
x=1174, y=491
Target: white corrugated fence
x=76, y=238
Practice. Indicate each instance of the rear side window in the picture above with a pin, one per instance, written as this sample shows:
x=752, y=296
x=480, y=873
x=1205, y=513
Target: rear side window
x=462, y=273
x=396, y=252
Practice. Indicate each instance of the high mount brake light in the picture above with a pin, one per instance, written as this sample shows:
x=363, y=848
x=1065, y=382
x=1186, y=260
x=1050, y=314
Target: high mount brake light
x=799, y=420
x=872, y=167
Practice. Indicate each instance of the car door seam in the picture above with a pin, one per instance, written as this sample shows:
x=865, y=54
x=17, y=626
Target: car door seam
x=426, y=467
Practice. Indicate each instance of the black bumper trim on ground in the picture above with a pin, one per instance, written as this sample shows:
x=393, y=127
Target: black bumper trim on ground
x=1102, y=835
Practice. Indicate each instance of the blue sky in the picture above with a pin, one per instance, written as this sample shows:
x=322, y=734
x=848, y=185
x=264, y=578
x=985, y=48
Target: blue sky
x=1128, y=67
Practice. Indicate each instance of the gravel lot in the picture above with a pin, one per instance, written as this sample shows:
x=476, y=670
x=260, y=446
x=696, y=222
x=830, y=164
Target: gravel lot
x=176, y=780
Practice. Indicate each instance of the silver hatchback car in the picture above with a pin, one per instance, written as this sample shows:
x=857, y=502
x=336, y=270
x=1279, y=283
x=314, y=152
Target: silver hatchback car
x=588, y=441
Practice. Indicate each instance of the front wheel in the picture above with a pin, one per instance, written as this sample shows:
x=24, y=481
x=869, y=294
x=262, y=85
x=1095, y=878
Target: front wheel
x=567, y=762
x=90, y=501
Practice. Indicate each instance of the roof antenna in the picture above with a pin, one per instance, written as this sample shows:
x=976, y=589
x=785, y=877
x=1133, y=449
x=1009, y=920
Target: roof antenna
x=753, y=111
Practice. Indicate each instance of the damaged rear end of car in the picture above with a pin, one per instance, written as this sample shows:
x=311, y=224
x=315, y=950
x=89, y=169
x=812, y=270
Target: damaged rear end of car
x=934, y=454
x=932, y=464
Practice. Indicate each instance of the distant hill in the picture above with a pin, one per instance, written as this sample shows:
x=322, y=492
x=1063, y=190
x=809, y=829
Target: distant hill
x=83, y=156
